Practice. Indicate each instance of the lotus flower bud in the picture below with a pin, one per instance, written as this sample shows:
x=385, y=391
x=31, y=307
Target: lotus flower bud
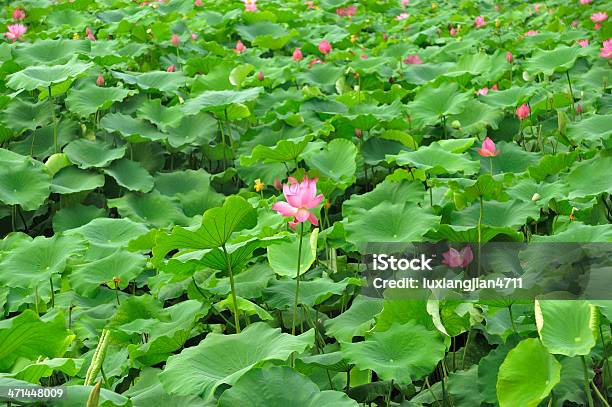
x=260, y=76
x=358, y=133
x=100, y=80
x=456, y=124
x=536, y=197
x=526, y=76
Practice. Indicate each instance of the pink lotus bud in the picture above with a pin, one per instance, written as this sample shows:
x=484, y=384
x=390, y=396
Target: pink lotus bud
x=509, y=57
x=198, y=3
x=583, y=43
x=260, y=76
x=494, y=87
x=18, y=14
x=171, y=68
x=452, y=32
x=175, y=40
x=488, y=148
x=325, y=47
x=413, y=60
x=482, y=91
x=479, y=22
x=240, y=47
x=579, y=108
x=358, y=133
x=574, y=23
x=531, y=33
x=90, y=34
x=585, y=1
x=523, y=111
x=597, y=26
x=297, y=55
x=194, y=36
x=385, y=37
x=277, y=184
x=100, y=80
x=606, y=51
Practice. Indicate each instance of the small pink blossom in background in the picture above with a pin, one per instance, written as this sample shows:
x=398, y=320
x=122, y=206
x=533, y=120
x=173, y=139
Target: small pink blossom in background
x=198, y=3
x=325, y=47
x=314, y=62
x=531, y=33
x=240, y=47
x=175, y=40
x=310, y=5
x=482, y=91
x=18, y=14
x=194, y=36
x=90, y=34
x=413, y=60
x=522, y=111
x=452, y=32
x=297, y=55
x=509, y=57
x=583, y=43
x=363, y=56
x=358, y=133
x=277, y=184
x=300, y=196
x=250, y=5
x=260, y=76
x=585, y=1
x=458, y=258
x=346, y=11
x=171, y=68
x=597, y=26
x=405, y=2
x=536, y=8
x=574, y=23
x=385, y=37
x=579, y=108
x=100, y=80
x=402, y=16
x=494, y=87
x=479, y=21
x=606, y=51
x=599, y=17
x=15, y=32
x=488, y=148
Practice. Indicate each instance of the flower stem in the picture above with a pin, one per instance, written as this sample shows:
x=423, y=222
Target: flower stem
x=54, y=120
x=480, y=232
x=297, y=281
x=52, y=292
x=233, y=287
x=569, y=82
x=491, y=165
x=587, y=389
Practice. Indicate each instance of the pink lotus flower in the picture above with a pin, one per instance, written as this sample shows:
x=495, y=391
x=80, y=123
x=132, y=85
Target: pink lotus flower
x=100, y=80
x=494, y=87
x=579, y=108
x=250, y=5
x=488, y=148
x=531, y=33
x=314, y=62
x=171, y=68
x=599, y=17
x=482, y=91
x=260, y=76
x=455, y=258
x=413, y=60
x=536, y=8
x=585, y=1
x=240, y=47
x=198, y=3
x=402, y=16
x=175, y=40
x=405, y=2
x=297, y=55
x=18, y=14
x=574, y=23
x=522, y=111
x=479, y=21
x=606, y=51
x=90, y=34
x=346, y=11
x=325, y=47
x=452, y=32
x=15, y=32
x=597, y=26
x=509, y=57
x=583, y=43
x=277, y=184
x=194, y=36
x=300, y=196
x=310, y=5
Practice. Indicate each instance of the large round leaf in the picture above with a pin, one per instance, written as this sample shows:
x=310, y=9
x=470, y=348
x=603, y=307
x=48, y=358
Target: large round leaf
x=34, y=77
x=23, y=181
x=219, y=359
x=527, y=375
x=283, y=256
x=430, y=104
x=88, y=153
x=88, y=98
x=336, y=161
x=152, y=209
x=280, y=386
x=211, y=100
x=402, y=353
x=437, y=160
x=131, y=175
x=559, y=59
x=71, y=179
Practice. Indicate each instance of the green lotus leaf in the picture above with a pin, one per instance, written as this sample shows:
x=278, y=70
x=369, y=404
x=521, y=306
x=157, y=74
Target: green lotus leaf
x=29, y=337
x=130, y=174
x=321, y=75
x=387, y=223
x=211, y=100
x=88, y=98
x=152, y=209
x=162, y=116
x=393, y=192
x=147, y=390
x=567, y=327
x=23, y=181
x=527, y=189
x=282, y=256
x=72, y=179
x=477, y=116
x=527, y=387
x=157, y=80
x=509, y=97
x=497, y=214
x=488, y=369
x=335, y=161
x=22, y=114
x=265, y=34
x=559, y=59
x=375, y=149
x=431, y=104
x=593, y=129
x=355, y=321
x=280, y=386
x=109, y=233
x=511, y=158
x=402, y=353
x=220, y=359
x=34, y=77
x=88, y=153
x=198, y=129
x=192, y=189
x=590, y=177
x=423, y=73
x=280, y=294
x=49, y=52
x=284, y=151
x=131, y=128
x=571, y=386
x=75, y=216
x=249, y=283
x=579, y=232
x=78, y=395
x=238, y=75
x=35, y=371
x=245, y=307
x=34, y=263
x=436, y=160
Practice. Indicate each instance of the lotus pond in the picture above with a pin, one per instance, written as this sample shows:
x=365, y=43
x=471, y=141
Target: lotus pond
x=188, y=188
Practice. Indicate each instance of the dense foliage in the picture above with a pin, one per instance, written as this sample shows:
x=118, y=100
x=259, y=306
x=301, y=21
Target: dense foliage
x=187, y=188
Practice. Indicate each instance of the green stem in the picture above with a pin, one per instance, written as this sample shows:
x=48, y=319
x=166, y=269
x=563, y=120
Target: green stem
x=117, y=293
x=52, y=292
x=36, y=299
x=297, y=281
x=13, y=218
x=54, y=121
x=599, y=395
x=605, y=352
x=233, y=287
x=467, y=343
x=491, y=165
x=512, y=318
x=569, y=82
x=480, y=232
x=223, y=143
x=431, y=391
x=587, y=390
x=389, y=395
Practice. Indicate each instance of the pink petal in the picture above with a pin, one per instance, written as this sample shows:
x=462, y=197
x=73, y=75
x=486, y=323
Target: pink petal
x=285, y=209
